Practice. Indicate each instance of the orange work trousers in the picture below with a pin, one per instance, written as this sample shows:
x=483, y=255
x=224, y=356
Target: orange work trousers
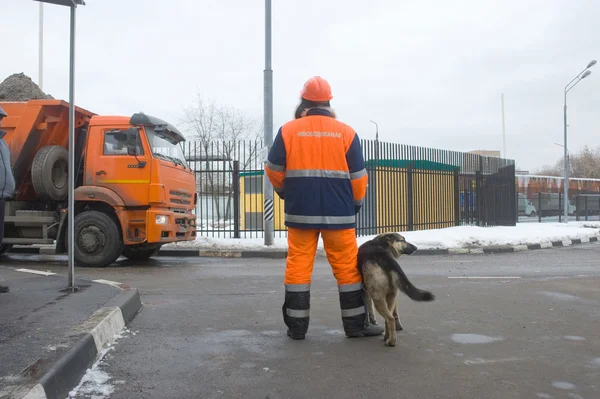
x=341, y=248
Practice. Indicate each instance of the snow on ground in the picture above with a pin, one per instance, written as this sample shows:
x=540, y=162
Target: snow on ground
x=97, y=383
x=452, y=237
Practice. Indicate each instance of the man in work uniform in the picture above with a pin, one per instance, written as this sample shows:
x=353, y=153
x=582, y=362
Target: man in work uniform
x=316, y=165
x=7, y=181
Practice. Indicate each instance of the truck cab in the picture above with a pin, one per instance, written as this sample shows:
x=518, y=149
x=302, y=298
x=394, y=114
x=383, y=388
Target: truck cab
x=137, y=166
x=134, y=191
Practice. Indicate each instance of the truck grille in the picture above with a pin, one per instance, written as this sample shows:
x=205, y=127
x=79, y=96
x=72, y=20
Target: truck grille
x=179, y=197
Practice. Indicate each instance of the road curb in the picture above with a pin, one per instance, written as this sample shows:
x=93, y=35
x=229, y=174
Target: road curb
x=282, y=254
x=99, y=330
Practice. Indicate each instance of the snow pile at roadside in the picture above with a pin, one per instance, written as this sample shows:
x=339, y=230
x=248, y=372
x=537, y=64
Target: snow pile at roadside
x=97, y=383
x=452, y=237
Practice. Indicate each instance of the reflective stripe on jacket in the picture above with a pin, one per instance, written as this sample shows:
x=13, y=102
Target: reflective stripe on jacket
x=316, y=165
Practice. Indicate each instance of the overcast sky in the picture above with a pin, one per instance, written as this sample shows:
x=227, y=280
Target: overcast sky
x=430, y=73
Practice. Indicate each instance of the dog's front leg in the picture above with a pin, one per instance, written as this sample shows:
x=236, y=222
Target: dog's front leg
x=395, y=314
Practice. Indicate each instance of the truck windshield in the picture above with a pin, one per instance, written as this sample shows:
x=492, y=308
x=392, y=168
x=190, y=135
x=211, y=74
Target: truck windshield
x=166, y=147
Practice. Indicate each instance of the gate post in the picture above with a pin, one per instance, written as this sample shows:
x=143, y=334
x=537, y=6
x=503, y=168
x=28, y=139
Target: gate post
x=410, y=197
x=236, y=199
x=456, y=198
x=478, y=197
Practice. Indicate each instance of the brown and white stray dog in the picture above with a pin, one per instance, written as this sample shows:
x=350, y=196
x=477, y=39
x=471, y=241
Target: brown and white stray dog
x=383, y=277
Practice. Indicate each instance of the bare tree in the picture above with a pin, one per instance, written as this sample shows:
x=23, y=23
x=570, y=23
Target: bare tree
x=220, y=135
x=585, y=164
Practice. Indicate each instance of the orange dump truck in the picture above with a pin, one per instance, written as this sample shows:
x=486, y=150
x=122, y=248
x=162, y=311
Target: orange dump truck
x=133, y=189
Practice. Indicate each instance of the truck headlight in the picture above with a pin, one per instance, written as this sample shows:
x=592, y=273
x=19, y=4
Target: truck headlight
x=162, y=219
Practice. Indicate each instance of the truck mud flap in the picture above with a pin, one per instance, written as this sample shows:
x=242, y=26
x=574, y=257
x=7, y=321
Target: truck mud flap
x=61, y=237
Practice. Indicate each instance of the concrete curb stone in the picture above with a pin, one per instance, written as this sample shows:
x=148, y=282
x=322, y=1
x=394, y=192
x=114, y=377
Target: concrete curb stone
x=282, y=253
x=100, y=328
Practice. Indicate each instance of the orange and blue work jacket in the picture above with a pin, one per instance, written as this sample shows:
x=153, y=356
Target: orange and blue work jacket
x=317, y=167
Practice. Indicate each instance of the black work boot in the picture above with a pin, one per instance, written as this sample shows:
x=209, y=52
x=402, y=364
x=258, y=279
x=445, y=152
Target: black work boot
x=354, y=312
x=3, y=288
x=296, y=310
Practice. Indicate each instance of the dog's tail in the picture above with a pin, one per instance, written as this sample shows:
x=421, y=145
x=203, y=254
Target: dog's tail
x=404, y=284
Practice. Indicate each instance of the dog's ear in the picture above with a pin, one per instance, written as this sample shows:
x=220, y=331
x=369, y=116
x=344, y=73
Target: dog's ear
x=390, y=238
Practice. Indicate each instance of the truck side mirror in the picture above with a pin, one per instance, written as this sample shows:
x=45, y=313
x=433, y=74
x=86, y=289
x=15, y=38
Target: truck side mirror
x=132, y=140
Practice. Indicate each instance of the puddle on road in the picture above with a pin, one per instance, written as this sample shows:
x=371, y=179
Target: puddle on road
x=474, y=339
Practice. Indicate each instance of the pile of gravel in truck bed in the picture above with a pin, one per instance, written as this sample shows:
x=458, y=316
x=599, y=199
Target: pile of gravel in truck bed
x=20, y=87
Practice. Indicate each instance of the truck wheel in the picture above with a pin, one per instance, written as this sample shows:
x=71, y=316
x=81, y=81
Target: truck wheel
x=98, y=241
x=135, y=252
x=49, y=173
x=4, y=248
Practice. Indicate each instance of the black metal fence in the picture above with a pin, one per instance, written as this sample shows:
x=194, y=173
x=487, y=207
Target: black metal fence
x=549, y=207
x=410, y=188
x=541, y=199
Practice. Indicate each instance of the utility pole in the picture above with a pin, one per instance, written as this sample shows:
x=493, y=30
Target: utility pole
x=503, y=130
x=582, y=75
x=376, y=143
x=268, y=208
x=72, y=4
x=41, y=49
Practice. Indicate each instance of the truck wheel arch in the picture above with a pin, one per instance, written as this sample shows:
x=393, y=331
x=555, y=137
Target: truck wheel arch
x=93, y=198
x=102, y=244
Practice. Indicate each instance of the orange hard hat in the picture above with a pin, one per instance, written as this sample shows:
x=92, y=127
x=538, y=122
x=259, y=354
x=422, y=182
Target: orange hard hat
x=316, y=89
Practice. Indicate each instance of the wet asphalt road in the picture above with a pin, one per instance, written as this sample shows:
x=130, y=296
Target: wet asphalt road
x=212, y=328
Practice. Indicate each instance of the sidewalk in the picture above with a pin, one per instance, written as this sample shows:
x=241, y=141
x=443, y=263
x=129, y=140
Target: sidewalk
x=49, y=337
x=451, y=240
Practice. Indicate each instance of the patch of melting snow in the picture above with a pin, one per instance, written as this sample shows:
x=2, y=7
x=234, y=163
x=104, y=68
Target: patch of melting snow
x=574, y=338
x=96, y=382
x=474, y=339
x=544, y=395
x=596, y=361
x=559, y=295
x=52, y=348
x=563, y=385
x=270, y=333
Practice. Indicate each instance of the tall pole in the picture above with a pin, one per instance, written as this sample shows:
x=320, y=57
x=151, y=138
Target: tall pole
x=376, y=142
x=565, y=200
x=503, y=130
x=41, y=49
x=71, y=210
x=582, y=75
x=268, y=210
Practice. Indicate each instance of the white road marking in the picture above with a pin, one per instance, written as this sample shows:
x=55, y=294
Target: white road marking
x=483, y=361
x=108, y=282
x=485, y=277
x=35, y=272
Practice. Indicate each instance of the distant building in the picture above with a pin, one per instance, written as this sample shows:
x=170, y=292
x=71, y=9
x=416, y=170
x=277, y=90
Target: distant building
x=486, y=153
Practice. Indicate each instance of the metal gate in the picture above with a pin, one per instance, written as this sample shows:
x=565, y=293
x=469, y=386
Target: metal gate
x=496, y=198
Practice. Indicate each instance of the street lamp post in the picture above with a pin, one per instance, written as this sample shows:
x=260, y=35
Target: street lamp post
x=582, y=75
x=376, y=142
x=72, y=4
x=268, y=207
